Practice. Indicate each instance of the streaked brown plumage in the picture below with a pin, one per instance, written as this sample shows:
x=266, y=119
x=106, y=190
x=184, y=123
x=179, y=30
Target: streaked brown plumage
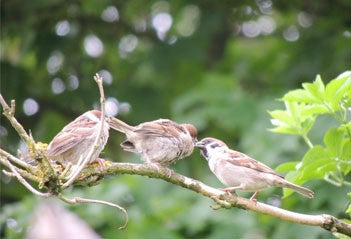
x=76, y=138
x=160, y=141
x=239, y=171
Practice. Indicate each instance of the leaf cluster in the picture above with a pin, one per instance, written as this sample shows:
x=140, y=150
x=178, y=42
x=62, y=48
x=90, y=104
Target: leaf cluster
x=331, y=160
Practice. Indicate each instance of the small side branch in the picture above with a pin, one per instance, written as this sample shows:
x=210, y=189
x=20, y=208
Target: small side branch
x=23, y=181
x=17, y=161
x=85, y=200
x=24, y=173
x=9, y=112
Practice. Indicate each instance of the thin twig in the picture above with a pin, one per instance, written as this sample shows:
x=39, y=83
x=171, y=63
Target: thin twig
x=9, y=113
x=94, y=147
x=65, y=172
x=23, y=173
x=17, y=161
x=85, y=200
x=25, y=183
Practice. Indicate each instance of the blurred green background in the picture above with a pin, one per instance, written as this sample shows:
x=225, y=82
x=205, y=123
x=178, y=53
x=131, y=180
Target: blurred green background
x=217, y=64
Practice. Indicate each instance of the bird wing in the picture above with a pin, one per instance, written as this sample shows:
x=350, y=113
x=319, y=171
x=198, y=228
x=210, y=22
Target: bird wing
x=160, y=128
x=70, y=136
x=242, y=160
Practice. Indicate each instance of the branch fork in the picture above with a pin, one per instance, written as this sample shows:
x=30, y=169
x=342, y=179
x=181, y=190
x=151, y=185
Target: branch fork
x=44, y=173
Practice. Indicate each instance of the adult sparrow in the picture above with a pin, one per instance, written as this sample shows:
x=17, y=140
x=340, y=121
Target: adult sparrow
x=160, y=141
x=75, y=139
x=238, y=171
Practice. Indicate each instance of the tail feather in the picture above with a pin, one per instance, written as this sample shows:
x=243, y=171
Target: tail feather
x=301, y=190
x=120, y=126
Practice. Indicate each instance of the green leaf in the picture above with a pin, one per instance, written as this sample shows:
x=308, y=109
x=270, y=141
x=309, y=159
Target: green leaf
x=316, y=89
x=346, y=150
x=336, y=89
x=284, y=130
x=288, y=166
x=333, y=86
x=284, y=119
x=346, y=157
x=327, y=167
x=314, y=109
x=347, y=169
x=317, y=169
x=333, y=140
x=314, y=154
x=300, y=95
x=320, y=86
x=293, y=109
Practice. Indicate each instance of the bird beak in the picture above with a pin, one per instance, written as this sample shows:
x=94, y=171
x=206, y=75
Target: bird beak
x=200, y=145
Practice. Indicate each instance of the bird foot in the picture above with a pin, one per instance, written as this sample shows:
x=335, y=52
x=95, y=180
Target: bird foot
x=101, y=162
x=227, y=190
x=159, y=167
x=253, y=197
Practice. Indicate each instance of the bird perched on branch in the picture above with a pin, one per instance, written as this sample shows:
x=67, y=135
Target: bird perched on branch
x=238, y=171
x=75, y=140
x=160, y=141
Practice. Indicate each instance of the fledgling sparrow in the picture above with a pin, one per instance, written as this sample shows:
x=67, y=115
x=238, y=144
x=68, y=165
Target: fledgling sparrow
x=75, y=139
x=160, y=141
x=238, y=171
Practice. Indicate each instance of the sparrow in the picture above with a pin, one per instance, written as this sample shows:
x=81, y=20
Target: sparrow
x=160, y=141
x=75, y=139
x=239, y=171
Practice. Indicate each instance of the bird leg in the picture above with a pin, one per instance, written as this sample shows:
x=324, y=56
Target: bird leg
x=253, y=197
x=159, y=167
x=229, y=190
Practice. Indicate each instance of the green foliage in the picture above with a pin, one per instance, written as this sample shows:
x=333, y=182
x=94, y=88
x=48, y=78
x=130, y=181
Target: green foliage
x=206, y=71
x=331, y=162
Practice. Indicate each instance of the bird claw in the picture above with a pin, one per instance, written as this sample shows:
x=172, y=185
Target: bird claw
x=101, y=162
x=159, y=167
x=228, y=190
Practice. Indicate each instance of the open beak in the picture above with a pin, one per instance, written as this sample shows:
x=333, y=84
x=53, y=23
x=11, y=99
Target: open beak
x=200, y=145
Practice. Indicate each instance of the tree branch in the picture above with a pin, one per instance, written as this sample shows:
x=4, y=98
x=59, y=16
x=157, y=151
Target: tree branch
x=223, y=200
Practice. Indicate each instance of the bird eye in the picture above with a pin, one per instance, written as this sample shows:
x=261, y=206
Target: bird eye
x=214, y=145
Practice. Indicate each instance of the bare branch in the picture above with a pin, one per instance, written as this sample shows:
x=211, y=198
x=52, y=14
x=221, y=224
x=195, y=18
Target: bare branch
x=9, y=113
x=17, y=160
x=222, y=199
x=75, y=174
x=24, y=182
x=23, y=173
x=85, y=200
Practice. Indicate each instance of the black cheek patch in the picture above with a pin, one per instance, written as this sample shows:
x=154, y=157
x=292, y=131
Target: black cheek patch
x=204, y=152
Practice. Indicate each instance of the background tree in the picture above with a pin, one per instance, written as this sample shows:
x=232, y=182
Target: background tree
x=218, y=65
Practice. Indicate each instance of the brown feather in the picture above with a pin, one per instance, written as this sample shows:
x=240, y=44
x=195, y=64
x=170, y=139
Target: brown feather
x=240, y=159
